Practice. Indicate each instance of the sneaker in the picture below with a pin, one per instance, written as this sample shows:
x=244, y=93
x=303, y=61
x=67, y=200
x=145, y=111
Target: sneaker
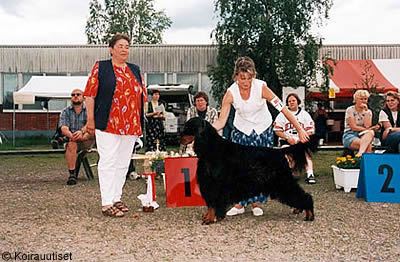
x=235, y=211
x=71, y=180
x=257, y=211
x=311, y=180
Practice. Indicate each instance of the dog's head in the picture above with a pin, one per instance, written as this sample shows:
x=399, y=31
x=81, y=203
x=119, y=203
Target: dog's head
x=193, y=128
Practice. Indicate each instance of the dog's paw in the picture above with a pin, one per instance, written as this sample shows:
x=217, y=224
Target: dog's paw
x=309, y=216
x=297, y=211
x=209, y=221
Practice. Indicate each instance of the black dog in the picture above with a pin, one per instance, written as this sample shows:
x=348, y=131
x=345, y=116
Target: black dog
x=228, y=173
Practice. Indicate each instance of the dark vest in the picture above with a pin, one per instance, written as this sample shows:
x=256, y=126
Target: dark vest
x=391, y=120
x=105, y=93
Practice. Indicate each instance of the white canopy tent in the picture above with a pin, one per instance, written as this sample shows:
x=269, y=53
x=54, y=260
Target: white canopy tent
x=46, y=88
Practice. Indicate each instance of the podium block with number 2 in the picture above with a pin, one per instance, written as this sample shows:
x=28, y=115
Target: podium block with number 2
x=180, y=182
x=379, y=179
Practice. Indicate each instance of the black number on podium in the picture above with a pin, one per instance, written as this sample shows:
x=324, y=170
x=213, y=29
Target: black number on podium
x=186, y=176
x=385, y=187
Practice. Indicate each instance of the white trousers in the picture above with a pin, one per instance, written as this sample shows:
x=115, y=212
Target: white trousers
x=115, y=153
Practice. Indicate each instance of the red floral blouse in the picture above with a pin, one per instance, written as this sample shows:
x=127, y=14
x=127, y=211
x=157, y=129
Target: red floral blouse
x=124, y=116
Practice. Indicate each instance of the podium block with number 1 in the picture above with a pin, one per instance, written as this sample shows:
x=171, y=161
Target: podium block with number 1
x=180, y=182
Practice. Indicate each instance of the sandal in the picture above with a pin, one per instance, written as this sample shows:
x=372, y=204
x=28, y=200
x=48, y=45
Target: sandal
x=71, y=180
x=112, y=211
x=121, y=206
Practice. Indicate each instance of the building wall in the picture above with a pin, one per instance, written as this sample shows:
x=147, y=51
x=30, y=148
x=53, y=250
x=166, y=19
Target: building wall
x=360, y=52
x=168, y=60
x=80, y=59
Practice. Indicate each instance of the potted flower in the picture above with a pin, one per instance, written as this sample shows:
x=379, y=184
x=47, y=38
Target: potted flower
x=157, y=166
x=346, y=172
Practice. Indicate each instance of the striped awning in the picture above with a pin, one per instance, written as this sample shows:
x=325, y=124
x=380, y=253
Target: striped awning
x=348, y=76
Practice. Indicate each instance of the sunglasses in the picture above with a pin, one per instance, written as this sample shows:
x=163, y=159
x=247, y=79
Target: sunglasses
x=75, y=94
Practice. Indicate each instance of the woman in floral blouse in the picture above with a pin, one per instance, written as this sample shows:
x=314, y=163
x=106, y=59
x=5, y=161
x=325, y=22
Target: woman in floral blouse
x=114, y=97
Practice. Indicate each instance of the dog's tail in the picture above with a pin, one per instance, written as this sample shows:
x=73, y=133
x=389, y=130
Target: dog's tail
x=298, y=152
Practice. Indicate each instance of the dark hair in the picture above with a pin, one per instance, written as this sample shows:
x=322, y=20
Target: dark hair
x=116, y=37
x=154, y=91
x=199, y=95
x=295, y=96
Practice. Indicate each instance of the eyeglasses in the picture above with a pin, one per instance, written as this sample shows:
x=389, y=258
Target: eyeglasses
x=75, y=94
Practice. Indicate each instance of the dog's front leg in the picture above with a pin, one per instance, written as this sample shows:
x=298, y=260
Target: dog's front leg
x=206, y=215
x=209, y=217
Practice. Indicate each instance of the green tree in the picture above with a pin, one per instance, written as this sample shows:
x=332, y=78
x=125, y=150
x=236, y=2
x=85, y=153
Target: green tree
x=137, y=18
x=276, y=34
x=96, y=24
x=376, y=99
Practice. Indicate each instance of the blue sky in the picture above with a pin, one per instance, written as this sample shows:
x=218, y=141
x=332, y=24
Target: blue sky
x=63, y=22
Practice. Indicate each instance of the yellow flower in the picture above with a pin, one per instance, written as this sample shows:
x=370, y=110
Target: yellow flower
x=348, y=157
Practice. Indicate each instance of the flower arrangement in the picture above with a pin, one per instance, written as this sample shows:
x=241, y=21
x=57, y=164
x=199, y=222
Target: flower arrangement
x=157, y=165
x=348, y=162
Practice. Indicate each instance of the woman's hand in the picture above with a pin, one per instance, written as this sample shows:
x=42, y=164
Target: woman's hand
x=303, y=136
x=375, y=127
x=90, y=128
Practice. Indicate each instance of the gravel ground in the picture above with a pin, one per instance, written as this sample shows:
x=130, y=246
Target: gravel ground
x=42, y=215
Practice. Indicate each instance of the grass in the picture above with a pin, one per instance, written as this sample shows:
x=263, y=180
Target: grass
x=29, y=142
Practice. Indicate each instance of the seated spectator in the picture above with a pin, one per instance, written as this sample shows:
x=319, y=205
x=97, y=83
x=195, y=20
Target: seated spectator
x=358, y=132
x=73, y=125
x=390, y=122
x=201, y=109
x=287, y=133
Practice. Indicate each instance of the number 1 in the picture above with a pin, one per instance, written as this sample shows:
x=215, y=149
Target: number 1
x=186, y=175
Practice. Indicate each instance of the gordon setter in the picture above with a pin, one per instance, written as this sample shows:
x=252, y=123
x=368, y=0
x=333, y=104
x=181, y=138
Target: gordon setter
x=228, y=172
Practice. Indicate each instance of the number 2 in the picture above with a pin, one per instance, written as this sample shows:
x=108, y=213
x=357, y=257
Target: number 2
x=385, y=187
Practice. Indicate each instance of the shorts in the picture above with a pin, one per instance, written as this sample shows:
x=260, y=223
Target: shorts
x=349, y=137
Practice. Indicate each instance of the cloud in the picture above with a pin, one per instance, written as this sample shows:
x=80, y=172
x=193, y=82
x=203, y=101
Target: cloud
x=189, y=13
x=362, y=22
x=188, y=36
x=11, y=6
x=45, y=22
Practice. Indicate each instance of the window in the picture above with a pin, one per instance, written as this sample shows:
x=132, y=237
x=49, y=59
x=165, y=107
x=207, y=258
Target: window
x=206, y=87
x=155, y=79
x=10, y=85
x=170, y=78
x=190, y=79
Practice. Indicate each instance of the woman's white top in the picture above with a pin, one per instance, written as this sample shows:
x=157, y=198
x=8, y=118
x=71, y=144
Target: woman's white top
x=251, y=114
x=284, y=125
x=383, y=117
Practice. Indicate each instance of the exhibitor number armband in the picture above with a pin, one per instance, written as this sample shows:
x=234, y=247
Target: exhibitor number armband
x=277, y=103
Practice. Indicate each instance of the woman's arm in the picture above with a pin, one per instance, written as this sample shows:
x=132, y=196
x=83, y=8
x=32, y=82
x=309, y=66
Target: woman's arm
x=90, y=126
x=225, y=108
x=269, y=95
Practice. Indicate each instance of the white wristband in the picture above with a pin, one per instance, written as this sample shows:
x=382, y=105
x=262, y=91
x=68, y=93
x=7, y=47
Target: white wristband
x=277, y=103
